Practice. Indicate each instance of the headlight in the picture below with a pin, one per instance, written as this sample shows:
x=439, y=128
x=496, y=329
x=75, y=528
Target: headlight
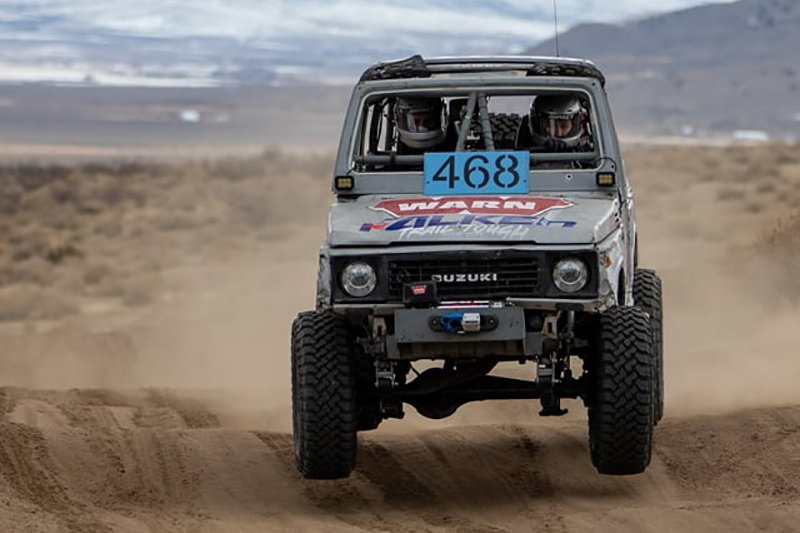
x=570, y=275
x=358, y=279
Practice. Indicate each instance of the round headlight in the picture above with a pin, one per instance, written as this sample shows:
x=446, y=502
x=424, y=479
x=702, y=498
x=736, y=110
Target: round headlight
x=570, y=275
x=358, y=279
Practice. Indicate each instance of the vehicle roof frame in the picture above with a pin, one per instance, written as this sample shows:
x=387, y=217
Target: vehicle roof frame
x=418, y=67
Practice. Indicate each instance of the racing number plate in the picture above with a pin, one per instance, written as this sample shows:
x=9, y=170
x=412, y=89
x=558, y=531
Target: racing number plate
x=476, y=173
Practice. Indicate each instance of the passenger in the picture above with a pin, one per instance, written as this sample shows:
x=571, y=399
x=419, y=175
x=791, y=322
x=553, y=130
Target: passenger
x=422, y=125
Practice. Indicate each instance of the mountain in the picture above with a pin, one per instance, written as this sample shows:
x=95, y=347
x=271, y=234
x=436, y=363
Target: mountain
x=275, y=41
x=702, y=69
x=713, y=68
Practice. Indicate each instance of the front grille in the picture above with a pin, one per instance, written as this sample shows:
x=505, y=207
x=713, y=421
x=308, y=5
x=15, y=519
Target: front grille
x=469, y=278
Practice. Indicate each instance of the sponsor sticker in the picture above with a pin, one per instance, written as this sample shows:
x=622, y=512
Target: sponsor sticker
x=442, y=221
x=419, y=290
x=509, y=217
x=471, y=205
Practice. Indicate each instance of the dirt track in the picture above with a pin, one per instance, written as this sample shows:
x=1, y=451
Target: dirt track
x=175, y=418
x=94, y=460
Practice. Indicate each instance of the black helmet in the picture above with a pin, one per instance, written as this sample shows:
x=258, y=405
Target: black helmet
x=556, y=121
x=421, y=121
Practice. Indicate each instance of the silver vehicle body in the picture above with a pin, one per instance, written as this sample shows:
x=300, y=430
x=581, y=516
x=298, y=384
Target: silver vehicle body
x=501, y=244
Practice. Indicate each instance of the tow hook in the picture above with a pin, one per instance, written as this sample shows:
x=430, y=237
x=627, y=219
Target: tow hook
x=460, y=323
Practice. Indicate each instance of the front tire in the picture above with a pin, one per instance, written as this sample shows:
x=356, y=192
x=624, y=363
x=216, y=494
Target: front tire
x=621, y=415
x=324, y=406
x=647, y=295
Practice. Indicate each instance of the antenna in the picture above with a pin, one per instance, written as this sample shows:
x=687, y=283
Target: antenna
x=555, y=21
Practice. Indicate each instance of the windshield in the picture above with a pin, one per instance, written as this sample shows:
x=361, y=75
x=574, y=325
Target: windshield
x=556, y=128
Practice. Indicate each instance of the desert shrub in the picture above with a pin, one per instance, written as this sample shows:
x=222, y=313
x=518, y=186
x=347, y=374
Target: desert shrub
x=113, y=190
x=251, y=207
x=141, y=290
x=59, y=254
x=781, y=247
x=730, y=193
x=96, y=273
x=764, y=166
x=120, y=168
x=753, y=207
x=786, y=154
x=236, y=169
x=28, y=243
x=272, y=164
x=172, y=222
x=67, y=190
x=738, y=155
x=36, y=271
x=108, y=227
x=10, y=197
x=26, y=301
x=766, y=187
x=31, y=177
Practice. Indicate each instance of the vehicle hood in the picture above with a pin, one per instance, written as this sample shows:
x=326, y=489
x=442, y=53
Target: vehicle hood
x=377, y=220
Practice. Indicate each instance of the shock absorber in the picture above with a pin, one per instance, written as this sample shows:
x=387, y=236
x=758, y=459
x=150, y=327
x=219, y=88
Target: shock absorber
x=547, y=371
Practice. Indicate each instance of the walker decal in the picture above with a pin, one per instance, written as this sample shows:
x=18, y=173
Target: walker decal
x=476, y=215
x=418, y=222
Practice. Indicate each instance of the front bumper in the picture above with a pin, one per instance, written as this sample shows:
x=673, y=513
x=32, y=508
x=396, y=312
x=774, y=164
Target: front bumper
x=417, y=334
x=605, y=300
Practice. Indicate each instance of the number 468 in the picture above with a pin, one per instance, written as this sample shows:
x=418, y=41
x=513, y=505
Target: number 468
x=477, y=172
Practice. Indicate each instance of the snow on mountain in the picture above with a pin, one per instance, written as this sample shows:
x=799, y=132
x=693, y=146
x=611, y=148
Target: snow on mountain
x=275, y=40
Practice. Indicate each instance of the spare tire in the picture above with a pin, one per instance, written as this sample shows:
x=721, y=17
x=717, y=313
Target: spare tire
x=504, y=130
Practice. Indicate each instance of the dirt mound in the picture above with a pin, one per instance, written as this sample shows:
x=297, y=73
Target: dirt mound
x=98, y=460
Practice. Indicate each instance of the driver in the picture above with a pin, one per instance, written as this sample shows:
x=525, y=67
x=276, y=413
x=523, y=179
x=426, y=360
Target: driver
x=422, y=125
x=555, y=123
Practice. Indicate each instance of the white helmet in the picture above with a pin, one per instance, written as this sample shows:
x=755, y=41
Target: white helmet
x=421, y=122
x=556, y=121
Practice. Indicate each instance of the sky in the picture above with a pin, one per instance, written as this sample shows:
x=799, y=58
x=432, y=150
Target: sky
x=504, y=20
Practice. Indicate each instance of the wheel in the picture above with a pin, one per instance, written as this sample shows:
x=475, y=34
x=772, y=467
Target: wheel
x=324, y=407
x=621, y=406
x=647, y=295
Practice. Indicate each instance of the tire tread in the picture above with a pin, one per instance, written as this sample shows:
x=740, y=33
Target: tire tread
x=647, y=295
x=324, y=406
x=621, y=413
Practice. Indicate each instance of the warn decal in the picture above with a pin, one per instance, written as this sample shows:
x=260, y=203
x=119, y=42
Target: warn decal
x=462, y=222
x=471, y=205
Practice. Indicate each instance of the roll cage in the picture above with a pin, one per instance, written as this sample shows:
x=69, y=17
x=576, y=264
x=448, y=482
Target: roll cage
x=475, y=117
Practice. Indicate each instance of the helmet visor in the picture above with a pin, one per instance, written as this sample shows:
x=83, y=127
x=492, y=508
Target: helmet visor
x=559, y=127
x=420, y=121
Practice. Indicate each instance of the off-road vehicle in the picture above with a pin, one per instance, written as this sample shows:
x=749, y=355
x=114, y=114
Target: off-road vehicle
x=489, y=248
